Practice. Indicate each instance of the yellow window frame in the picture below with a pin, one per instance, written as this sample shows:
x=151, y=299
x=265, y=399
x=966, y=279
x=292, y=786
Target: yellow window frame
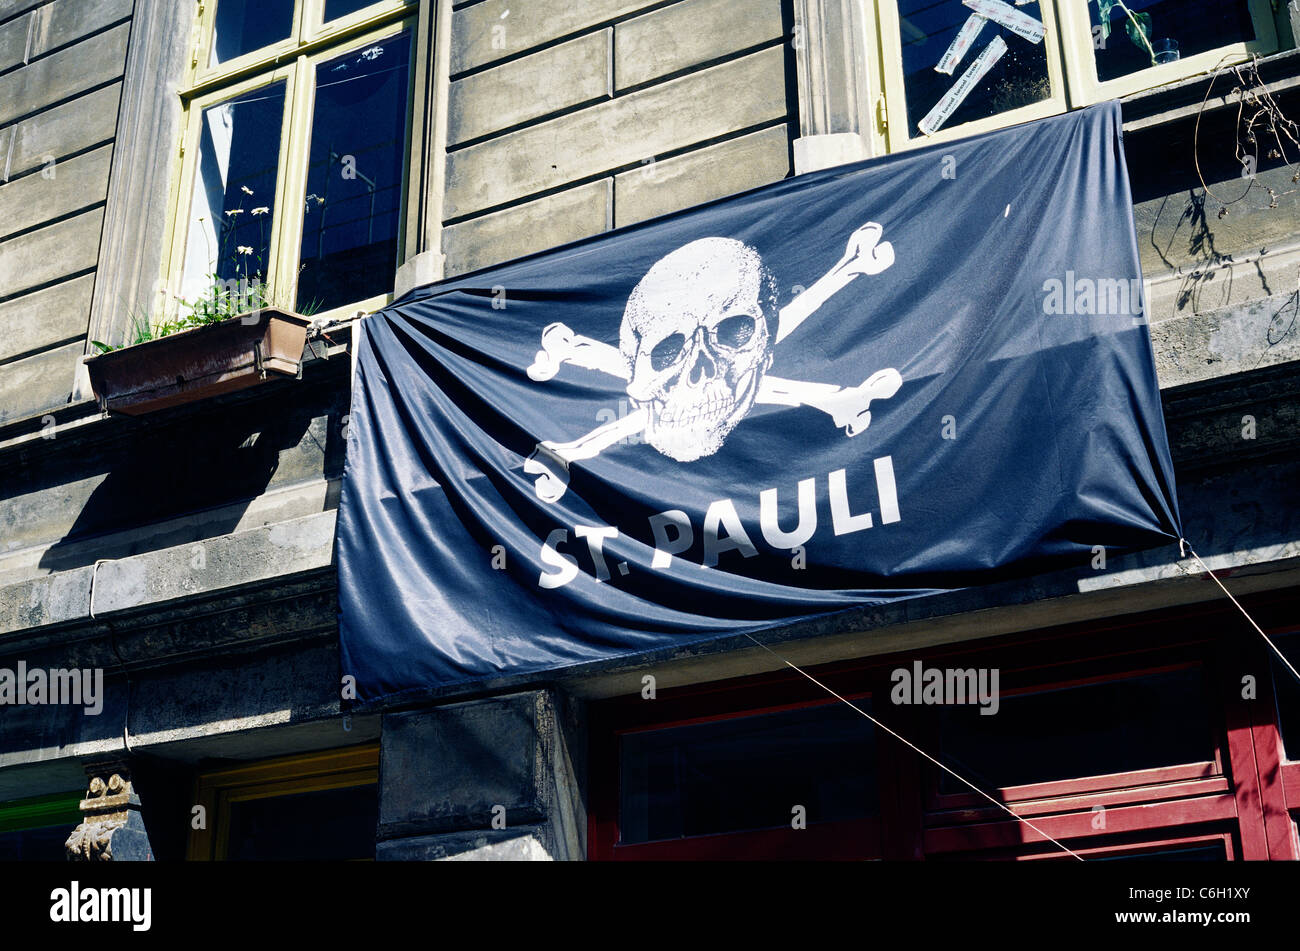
x=1071, y=70
x=308, y=34
x=895, y=135
x=1081, y=66
x=216, y=790
x=294, y=62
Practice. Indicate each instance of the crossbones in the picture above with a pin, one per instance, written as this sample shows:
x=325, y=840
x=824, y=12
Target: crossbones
x=694, y=349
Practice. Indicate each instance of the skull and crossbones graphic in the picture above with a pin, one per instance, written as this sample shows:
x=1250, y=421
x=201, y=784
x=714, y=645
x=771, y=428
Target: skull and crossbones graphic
x=694, y=349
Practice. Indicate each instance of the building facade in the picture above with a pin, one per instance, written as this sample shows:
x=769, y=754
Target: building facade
x=326, y=156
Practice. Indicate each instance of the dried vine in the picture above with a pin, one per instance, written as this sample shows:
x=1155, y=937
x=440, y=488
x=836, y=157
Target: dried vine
x=1258, y=116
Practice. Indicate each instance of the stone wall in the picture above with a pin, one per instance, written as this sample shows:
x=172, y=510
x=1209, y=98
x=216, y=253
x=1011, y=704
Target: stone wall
x=567, y=119
x=61, y=65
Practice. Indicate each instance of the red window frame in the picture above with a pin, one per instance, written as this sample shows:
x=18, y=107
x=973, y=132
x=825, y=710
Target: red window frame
x=1231, y=848
x=847, y=839
x=1244, y=797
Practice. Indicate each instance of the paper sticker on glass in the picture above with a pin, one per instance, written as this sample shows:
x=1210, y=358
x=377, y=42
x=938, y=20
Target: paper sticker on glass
x=970, y=60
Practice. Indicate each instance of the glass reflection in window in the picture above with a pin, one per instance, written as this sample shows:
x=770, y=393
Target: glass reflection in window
x=354, y=181
x=242, y=26
x=232, y=208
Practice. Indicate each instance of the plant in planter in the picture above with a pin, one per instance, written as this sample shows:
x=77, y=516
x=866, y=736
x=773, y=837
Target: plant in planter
x=230, y=337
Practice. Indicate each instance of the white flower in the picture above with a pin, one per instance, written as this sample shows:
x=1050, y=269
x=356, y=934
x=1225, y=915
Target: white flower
x=245, y=189
x=235, y=211
x=260, y=211
x=244, y=249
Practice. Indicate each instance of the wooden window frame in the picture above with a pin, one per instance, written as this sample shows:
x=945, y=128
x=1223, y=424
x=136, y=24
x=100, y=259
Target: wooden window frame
x=712, y=704
x=1244, y=797
x=1152, y=784
x=896, y=138
x=1071, y=70
x=1282, y=797
x=216, y=790
x=1146, y=843
x=1081, y=65
x=294, y=62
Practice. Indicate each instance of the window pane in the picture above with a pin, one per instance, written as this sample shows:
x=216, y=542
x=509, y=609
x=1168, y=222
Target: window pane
x=747, y=773
x=927, y=28
x=234, y=191
x=1114, y=727
x=354, y=180
x=245, y=25
x=341, y=8
x=1162, y=31
x=332, y=824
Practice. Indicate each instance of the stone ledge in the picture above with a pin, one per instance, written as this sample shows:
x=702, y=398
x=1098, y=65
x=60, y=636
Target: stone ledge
x=815, y=152
x=1183, y=99
x=228, y=563
x=522, y=844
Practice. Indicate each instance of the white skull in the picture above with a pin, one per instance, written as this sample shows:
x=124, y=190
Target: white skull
x=696, y=335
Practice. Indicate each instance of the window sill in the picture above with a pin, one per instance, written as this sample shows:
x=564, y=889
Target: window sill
x=1186, y=97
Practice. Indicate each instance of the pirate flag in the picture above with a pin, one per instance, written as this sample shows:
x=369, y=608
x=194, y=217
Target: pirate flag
x=912, y=374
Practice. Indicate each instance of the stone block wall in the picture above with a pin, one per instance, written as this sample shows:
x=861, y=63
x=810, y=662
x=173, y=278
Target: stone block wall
x=567, y=119
x=61, y=66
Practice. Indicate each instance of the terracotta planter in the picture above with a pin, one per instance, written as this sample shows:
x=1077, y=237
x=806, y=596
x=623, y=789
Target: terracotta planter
x=195, y=364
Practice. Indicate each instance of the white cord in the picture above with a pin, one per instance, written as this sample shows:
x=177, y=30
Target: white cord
x=907, y=742
x=1260, y=630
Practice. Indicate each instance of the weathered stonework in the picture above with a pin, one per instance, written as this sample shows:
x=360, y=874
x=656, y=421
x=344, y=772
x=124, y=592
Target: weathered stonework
x=112, y=829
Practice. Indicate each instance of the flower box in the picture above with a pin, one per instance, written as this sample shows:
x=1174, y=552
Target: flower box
x=195, y=364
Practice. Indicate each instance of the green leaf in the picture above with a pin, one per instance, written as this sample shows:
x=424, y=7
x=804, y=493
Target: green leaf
x=1103, y=15
x=103, y=347
x=1139, y=39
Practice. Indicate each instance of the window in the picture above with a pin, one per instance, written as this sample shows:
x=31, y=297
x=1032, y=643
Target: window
x=1043, y=56
x=315, y=807
x=1128, y=740
x=1138, y=740
x=785, y=780
x=1286, y=694
x=1107, y=727
x=293, y=178
x=747, y=773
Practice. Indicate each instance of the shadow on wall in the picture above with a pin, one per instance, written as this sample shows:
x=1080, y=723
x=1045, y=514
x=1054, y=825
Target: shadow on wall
x=1252, y=204
x=210, y=466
